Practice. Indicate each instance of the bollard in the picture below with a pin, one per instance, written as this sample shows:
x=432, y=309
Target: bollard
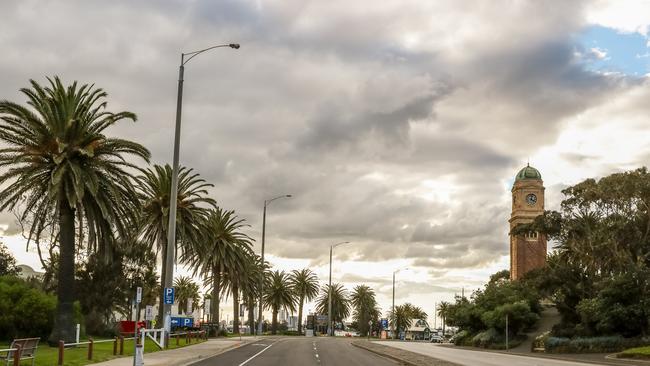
x=90, y=348
x=17, y=354
x=121, y=345
x=176, y=339
x=166, y=340
x=114, y=346
x=61, y=348
x=190, y=337
x=187, y=338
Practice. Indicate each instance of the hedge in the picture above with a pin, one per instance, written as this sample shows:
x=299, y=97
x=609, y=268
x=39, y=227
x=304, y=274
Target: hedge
x=592, y=344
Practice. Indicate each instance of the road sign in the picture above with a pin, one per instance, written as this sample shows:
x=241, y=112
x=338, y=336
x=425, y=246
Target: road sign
x=169, y=295
x=384, y=323
x=148, y=313
x=206, y=305
x=138, y=295
x=370, y=323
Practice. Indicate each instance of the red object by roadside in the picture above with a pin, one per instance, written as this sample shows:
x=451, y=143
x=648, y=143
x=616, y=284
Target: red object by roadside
x=128, y=326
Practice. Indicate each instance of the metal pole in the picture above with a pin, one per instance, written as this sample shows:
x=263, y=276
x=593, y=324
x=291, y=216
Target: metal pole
x=392, y=326
x=135, y=331
x=330, y=331
x=506, y=332
x=171, y=230
x=259, y=318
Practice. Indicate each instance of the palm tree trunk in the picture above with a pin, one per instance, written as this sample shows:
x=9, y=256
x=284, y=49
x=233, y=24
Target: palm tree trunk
x=251, y=314
x=64, y=321
x=302, y=301
x=216, y=280
x=235, y=308
x=443, y=326
x=274, y=324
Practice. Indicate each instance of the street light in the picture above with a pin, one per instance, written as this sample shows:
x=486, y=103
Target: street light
x=392, y=327
x=171, y=231
x=330, y=328
x=266, y=203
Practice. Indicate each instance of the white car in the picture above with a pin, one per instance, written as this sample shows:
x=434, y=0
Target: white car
x=436, y=339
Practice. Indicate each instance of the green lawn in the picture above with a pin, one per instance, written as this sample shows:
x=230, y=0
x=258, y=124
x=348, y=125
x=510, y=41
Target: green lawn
x=48, y=356
x=638, y=352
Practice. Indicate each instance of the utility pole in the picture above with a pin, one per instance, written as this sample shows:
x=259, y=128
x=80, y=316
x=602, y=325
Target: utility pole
x=506, y=332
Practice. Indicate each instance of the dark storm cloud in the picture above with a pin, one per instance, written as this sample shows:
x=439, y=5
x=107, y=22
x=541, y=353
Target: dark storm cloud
x=400, y=146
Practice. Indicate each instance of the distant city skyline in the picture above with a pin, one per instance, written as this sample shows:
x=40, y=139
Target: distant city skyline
x=398, y=126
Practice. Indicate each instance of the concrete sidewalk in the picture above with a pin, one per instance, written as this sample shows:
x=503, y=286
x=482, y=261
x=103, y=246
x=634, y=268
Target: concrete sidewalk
x=184, y=355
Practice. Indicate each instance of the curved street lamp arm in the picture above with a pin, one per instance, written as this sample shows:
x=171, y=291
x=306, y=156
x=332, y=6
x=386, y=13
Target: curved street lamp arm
x=266, y=202
x=341, y=243
x=195, y=53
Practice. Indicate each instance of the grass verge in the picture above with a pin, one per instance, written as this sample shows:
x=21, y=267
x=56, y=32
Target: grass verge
x=78, y=356
x=637, y=352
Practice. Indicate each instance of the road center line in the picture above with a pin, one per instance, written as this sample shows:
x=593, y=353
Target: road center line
x=255, y=355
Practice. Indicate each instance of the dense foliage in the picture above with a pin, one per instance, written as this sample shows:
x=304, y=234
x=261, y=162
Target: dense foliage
x=483, y=316
x=364, y=308
x=401, y=317
x=25, y=310
x=7, y=262
x=600, y=275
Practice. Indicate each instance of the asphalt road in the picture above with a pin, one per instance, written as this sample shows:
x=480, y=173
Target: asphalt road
x=298, y=351
x=481, y=358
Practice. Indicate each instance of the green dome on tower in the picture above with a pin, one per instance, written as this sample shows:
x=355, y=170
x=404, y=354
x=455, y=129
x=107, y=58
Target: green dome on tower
x=528, y=172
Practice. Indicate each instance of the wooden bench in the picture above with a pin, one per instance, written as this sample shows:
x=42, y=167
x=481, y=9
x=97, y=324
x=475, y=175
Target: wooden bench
x=27, y=351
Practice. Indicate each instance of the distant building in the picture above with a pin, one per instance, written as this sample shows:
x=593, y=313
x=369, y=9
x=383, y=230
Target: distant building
x=419, y=330
x=27, y=272
x=292, y=322
x=527, y=251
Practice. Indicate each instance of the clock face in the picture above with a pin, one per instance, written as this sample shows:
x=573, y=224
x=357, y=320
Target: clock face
x=531, y=199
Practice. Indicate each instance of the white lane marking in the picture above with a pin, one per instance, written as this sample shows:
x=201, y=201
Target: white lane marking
x=316, y=351
x=259, y=344
x=255, y=355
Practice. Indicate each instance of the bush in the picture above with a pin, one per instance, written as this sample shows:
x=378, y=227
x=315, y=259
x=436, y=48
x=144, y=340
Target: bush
x=639, y=352
x=460, y=338
x=24, y=311
x=487, y=338
x=592, y=344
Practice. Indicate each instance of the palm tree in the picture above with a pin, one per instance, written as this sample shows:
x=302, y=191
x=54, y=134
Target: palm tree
x=304, y=284
x=443, y=311
x=220, y=257
x=365, y=307
x=278, y=295
x=403, y=316
x=187, y=291
x=63, y=168
x=252, y=276
x=400, y=319
x=340, y=302
x=154, y=186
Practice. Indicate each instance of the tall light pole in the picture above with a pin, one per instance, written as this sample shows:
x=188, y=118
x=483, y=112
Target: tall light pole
x=392, y=327
x=266, y=203
x=330, y=328
x=171, y=229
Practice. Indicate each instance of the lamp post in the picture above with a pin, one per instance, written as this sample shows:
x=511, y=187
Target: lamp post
x=392, y=327
x=330, y=328
x=261, y=306
x=171, y=230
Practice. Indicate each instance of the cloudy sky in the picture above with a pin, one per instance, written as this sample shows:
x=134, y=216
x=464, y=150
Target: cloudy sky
x=396, y=125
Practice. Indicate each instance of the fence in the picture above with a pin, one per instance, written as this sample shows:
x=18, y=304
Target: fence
x=117, y=341
x=16, y=355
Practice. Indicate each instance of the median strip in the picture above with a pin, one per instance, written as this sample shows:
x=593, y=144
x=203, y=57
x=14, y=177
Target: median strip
x=402, y=356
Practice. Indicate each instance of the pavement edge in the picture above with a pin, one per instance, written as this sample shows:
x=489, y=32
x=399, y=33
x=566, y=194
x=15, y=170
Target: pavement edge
x=242, y=343
x=381, y=351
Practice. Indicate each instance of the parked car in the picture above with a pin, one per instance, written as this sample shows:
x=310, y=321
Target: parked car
x=436, y=339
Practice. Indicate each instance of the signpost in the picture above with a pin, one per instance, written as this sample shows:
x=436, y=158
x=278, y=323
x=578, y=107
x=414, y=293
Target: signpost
x=206, y=308
x=169, y=295
x=138, y=299
x=369, y=328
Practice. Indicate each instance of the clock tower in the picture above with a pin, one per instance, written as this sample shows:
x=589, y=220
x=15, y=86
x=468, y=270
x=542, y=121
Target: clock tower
x=527, y=251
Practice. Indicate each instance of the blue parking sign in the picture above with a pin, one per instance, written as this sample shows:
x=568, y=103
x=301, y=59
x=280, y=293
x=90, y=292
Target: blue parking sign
x=169, y=295
x=384, y=323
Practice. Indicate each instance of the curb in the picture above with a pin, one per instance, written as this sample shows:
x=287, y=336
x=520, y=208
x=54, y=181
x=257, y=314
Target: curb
x=223, y=350
x=405, y=362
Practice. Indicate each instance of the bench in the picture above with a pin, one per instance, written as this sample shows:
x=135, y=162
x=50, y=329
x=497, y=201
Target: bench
x=27, y=351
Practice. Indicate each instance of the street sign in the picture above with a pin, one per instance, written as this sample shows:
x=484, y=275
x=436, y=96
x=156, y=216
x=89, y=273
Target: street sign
x=241, y=310
x=138, y=295
x=169, y=295
x=384, y=323
x=370, y=323
x=148, y=313
x=206, y=305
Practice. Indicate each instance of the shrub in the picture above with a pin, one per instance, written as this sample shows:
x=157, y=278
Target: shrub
x=24, y=311
x=592, y=344
x=460, y=337
x=487, y=338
